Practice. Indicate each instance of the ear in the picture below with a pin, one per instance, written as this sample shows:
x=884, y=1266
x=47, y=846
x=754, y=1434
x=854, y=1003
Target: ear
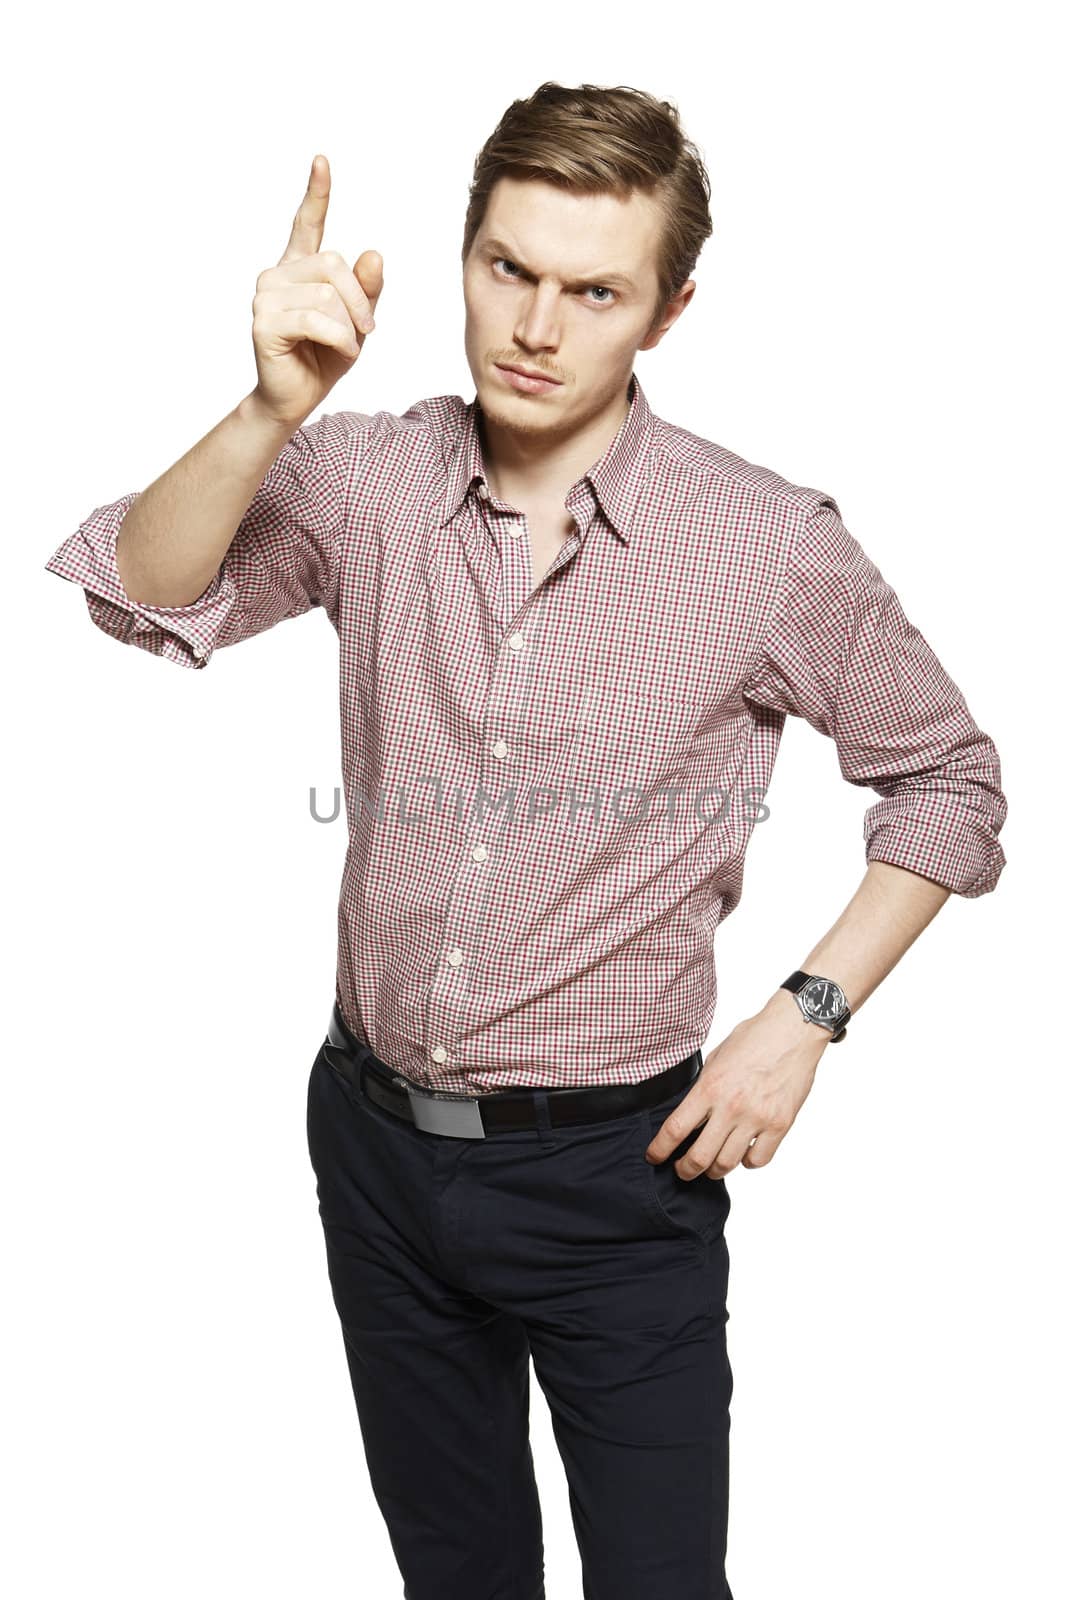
x=669, y=316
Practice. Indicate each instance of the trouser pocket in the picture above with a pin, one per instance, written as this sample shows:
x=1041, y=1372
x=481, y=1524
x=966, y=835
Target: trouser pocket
x=696, y=1208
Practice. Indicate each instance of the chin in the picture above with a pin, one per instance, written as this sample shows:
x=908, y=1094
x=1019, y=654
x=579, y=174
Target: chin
x=506, y=409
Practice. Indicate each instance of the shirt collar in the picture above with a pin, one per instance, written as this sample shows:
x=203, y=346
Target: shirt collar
x=617, y=478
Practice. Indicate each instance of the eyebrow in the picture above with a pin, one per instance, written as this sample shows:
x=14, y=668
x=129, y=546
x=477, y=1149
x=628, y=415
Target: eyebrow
x=608, y=280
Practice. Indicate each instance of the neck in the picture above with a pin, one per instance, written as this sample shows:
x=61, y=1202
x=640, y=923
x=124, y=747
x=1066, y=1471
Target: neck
x=525, y=465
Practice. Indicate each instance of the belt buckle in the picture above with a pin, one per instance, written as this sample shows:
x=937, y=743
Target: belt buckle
x=457, y=1116
x=434, y=1110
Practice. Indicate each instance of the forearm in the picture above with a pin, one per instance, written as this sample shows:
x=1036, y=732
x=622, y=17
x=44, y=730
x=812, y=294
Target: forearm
x=174, y=536
x=884, y=917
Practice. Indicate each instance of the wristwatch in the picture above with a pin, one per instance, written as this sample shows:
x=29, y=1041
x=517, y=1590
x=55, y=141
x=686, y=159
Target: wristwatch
x=821, y=1001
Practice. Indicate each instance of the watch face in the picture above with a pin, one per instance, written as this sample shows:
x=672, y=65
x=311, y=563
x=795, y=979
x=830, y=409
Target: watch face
x=822, y=999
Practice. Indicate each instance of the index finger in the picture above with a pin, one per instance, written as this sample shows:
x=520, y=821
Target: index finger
x=307, y=233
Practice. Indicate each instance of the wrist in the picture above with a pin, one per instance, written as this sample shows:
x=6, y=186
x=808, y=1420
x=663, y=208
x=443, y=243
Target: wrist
x=782, y=1008
x=253, y=414
x=820, y=1003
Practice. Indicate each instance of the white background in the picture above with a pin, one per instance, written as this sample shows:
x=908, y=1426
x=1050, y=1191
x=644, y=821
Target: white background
x=879, y=313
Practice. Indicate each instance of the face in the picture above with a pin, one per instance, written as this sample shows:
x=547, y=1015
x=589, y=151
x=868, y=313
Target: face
x=543, y=290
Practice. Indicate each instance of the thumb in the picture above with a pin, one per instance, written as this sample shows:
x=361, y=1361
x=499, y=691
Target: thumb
x=368, y=270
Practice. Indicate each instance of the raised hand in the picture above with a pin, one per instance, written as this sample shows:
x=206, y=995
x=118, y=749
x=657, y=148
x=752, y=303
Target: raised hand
x=311, y=312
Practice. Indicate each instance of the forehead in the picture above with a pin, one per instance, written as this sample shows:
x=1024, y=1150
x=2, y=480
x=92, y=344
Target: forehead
x=559, y=230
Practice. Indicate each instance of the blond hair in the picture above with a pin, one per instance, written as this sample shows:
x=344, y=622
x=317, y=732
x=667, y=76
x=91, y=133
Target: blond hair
x=595, y=140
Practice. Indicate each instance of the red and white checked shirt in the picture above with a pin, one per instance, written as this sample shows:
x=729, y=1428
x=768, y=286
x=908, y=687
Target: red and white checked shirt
x=550, y=791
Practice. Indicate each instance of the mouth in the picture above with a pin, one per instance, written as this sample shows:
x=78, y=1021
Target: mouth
x=523, y=381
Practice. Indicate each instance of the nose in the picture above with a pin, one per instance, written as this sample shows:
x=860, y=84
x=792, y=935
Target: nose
x=537, y=326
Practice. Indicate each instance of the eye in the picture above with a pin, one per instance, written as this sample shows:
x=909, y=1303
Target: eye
x=601, y=288
x=516, y=273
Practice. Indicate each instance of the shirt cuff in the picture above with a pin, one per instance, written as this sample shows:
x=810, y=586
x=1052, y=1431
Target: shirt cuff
x=186, y=634
x=952, y=847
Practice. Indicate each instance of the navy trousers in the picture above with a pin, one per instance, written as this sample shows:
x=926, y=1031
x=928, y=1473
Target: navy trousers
x=453, y=1262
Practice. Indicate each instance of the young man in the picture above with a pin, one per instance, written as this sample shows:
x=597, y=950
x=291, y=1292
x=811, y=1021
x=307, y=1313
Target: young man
x=570, y=633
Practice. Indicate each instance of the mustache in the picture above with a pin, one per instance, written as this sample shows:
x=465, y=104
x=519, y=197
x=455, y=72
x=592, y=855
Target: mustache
x=530, y=366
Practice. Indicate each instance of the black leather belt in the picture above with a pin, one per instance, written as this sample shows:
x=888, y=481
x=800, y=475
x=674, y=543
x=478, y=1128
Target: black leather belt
x=464, y=1116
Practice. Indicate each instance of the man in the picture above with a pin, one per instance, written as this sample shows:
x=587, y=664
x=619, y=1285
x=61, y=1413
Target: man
x=570, y=633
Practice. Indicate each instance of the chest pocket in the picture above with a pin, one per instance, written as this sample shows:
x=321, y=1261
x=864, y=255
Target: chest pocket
x=632, y=749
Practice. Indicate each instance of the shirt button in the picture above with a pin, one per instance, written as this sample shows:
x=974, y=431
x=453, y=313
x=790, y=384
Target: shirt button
x=455, y=958
x=500, y=748
x=439, y=1053
x=483, y=491
x=515, y=530
x=479, y=853
x=516, y=641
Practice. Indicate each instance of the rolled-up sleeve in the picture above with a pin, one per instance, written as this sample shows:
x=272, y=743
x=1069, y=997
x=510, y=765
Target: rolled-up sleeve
x=282, y=561
x=840, y=652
